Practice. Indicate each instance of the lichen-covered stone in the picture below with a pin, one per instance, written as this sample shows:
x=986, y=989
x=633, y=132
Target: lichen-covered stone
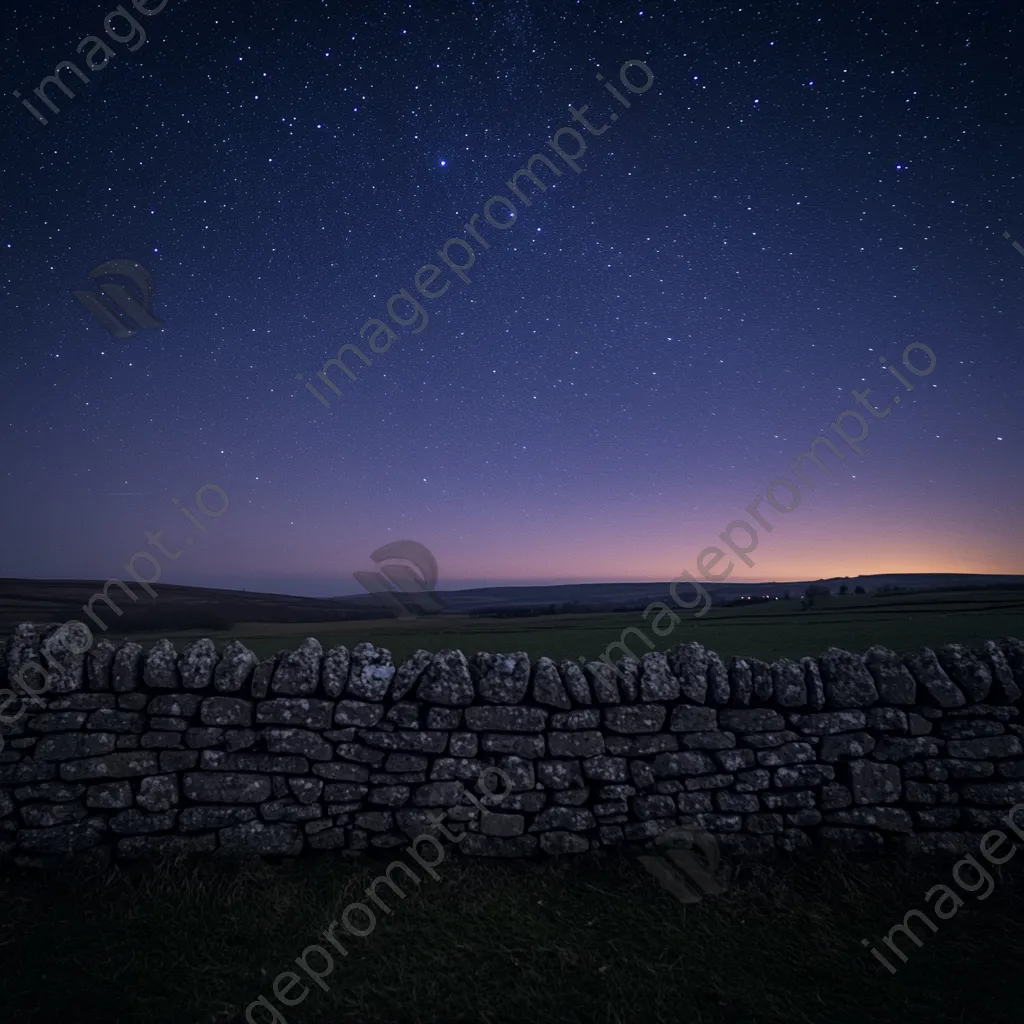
x=447, y=681
x=966, y=670
x=233, y=672
x=931, y=677
x=298, y=672
x=548, y=688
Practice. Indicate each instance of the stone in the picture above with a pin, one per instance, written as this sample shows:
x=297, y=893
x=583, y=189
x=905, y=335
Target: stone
x=506, y=719
x=109, y=795
x=298, y=741
x=547, y=687
x=586, y=718
x=444, y=718
x=259, y=683
x=846, y=746
x=504, y=678
x=65, y=746
x=815, y=687
x=510, y=743
x=506, y=825
x=1004, y=687
x=403, y=739
x=67, y=670
x=196, y=664
x=829, y=722
x=223, y=761
x=847, y=682
x=145, y=847
x=70, y=838
x=603, y=681
x=447, y=681
x=628, y=680
x=255, y=837
x=966, y=670
x=340, y=772
x=309, y=713
x=556, y=843
x=576, y=684
x=405, y=714
x=99, y=665
x=640, y=718
x=389, y=796
x=788, y=753
x=178, y=705
x=789, y=688
x=889, y=720
x=903, y=748
x=886, y=819
x=641, y=745
x=709, y=740
x=297, y=673
x=989, y=794
x=126, y=675
x=674, y=765
x=160, y=671
x=931, y=677
x=136, y=822
x=306, y=791
x=607, y=769
x=55, y=792
x=48, y=815
x=657, y=682
x=693, y=719
x=477, y=845
x=570, y=819
x=755, y=720
x=874, y=783
x=803, y=775
x=409, y=674
x=233, y=672
x=741, y=682
x=226, y=711
x=158, y=793
x=57, y=721
x=893, y=681
x=734, y=760
x=438, y=794
x=835, y=796
x=366, y=714
x=689, y=664
x=984, y=748
x=576, y=744
x=226, y=787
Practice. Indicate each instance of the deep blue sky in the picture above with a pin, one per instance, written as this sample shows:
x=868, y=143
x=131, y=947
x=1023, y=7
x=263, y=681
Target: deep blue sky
x=805, y=187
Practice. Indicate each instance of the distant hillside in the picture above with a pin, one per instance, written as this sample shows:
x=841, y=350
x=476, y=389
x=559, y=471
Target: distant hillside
x=178, y=607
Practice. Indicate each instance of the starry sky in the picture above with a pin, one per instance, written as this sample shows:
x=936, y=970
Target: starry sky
x=806, y=189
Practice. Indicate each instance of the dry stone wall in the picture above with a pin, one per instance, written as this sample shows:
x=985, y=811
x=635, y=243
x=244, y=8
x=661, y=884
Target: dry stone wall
x=140, y=753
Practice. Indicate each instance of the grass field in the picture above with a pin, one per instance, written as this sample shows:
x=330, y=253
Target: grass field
x=594, y=940
x=775, y=630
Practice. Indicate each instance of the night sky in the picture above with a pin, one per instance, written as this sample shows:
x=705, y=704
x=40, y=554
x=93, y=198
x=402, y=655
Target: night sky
x=804, y=190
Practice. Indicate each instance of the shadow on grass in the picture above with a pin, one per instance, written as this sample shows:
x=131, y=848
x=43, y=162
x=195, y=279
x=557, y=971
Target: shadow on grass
x=594, y=939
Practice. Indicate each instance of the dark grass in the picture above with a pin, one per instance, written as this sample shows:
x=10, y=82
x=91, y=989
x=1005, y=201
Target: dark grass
x=902, y=622
x=593, y=939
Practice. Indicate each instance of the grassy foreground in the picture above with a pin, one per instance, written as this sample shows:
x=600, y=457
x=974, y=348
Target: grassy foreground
x=593, y=940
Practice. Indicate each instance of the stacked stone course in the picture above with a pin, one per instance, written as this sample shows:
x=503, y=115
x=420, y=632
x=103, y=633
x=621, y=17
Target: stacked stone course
x=139, y=753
